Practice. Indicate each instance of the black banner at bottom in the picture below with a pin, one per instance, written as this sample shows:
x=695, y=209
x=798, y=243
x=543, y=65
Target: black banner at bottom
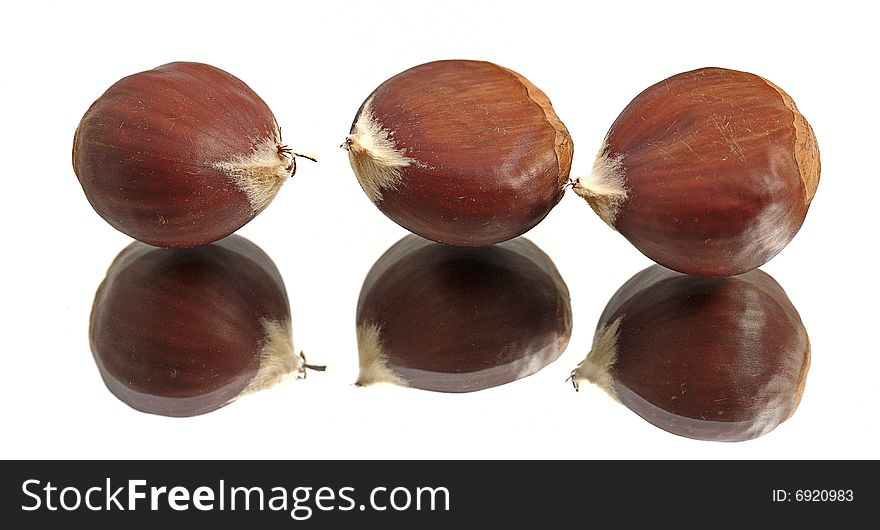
x=287, y=494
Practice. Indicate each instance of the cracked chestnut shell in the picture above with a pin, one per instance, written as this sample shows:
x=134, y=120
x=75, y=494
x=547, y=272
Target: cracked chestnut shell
x=454, y=319
x=180, y=332
x=461, y=152
x=708, y=172
x=180, y=156
x=722, y=359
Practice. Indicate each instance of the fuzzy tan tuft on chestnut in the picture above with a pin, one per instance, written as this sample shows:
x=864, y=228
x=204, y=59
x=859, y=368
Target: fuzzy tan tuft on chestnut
x=709, y=172
x=722, y=359
x=181, y=332
x=455, y=319
x=461, y=152
x=181, y=155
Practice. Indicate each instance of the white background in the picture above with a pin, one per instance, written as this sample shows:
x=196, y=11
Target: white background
x=314, y=63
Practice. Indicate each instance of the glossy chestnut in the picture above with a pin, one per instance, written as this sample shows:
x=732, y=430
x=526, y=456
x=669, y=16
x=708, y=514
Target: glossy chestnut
x=181, y=155
x=708, y=172
x=722, y=359
x=180, y=332
x=461, y=152
x=455, y=319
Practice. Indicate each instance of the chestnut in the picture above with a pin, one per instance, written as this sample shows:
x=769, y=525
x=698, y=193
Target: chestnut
x=180, y=332
x=457, y=319
x=181, y=155
x=722, y=359
x=708, y=172
x=466, y=153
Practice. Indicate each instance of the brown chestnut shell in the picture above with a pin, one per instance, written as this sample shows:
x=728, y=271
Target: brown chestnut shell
x=461, y=152
x=709, y=172
x=181, y=332
x=456, y=319
x=721, y=359
x=180, y=156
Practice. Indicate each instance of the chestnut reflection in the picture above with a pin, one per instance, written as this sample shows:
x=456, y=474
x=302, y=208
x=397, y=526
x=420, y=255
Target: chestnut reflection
x=456, y=319
x=180, y=332
x=721, y=359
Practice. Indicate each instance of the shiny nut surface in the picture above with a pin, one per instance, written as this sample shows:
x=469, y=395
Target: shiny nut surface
x=455, y=319
x=462, y=152
x=709, y=172
x=722, y=359
x=180, y=156
x=180, y=332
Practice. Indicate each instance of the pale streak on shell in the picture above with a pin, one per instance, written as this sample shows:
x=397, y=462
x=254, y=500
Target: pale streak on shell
x=277, y=358
x=597, y=367
x=260, y=173
x=605, y=187
x=373, y=361
x=376, y=160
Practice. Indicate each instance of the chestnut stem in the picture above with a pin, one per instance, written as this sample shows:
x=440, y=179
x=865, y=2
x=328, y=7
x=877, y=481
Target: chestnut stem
x=307, y=157
x=307, y=366
x=574, y=381
x=291, y=157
